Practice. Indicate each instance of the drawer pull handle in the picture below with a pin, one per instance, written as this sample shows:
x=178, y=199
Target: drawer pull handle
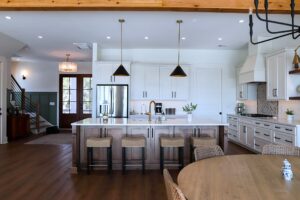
x=234, y=135
x=266, y=135
x=266, y=125
x=287, y=129
x=277, y=127
x=277, y=138
x=257, y=132
x=257, y=123
x=257, y=145
x=288, y=141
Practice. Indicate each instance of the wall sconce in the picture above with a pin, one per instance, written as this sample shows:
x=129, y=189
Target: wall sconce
x=296, y=60
x=24, y=74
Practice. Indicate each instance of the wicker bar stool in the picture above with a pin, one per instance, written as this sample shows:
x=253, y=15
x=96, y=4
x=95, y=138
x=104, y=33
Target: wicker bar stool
x=133, y=142
x=97, y=142
x=172, y=142
x=203, y=140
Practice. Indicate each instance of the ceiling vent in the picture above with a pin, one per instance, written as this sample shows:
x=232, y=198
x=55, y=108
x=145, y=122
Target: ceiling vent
x=83, y=46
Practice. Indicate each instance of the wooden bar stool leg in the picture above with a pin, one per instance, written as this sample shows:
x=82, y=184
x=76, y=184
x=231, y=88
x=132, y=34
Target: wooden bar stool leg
x=191, y=153
x=88, y=160
x=181, y=157
x=143, y=159
x=123, y=160
x=109, y=160
x=92, y=158
x=161, y=159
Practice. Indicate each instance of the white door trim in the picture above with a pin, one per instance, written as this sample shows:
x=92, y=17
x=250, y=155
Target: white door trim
x=1, y=102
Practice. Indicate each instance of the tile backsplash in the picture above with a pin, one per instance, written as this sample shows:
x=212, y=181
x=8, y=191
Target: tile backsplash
x=264, y=106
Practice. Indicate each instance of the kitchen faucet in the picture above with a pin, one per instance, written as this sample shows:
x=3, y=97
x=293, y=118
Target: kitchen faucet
x=149, y=113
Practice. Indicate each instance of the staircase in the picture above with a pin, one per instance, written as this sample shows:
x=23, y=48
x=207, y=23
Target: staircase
x=20, y=103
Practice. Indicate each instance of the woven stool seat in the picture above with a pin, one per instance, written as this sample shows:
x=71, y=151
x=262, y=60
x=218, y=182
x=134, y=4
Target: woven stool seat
x=134, y=141
x=203, y=141
x=99, y=142
x=172, y=141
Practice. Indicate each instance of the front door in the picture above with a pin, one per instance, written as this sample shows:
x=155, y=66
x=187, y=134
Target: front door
x=75, y=98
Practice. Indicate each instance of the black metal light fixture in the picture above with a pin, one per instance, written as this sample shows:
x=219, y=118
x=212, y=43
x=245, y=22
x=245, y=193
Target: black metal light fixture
x=178, y=71
x=121, y=71
x=293, y=30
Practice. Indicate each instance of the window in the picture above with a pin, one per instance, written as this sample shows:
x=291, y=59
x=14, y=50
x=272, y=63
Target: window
x=69, y=92
x=87, y=95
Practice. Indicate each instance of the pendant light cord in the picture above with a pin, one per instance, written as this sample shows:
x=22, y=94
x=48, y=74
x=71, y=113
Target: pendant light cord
x=179, y=31
x=121, y=21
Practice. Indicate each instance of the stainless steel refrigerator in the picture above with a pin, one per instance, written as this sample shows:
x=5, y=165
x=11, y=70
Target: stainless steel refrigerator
x=113, y=100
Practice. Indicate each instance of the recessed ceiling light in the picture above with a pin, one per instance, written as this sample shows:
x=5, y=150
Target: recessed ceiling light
x=241, y=21
x=40, y=37
x=220, y=39
x=146, y=38
x=183, y=38
x=108, y=37
x=8, y=17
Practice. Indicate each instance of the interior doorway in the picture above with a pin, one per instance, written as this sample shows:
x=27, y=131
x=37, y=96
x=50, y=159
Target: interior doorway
x=75, y=98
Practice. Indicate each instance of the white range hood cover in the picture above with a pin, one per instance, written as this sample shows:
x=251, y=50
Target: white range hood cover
x=254, y=68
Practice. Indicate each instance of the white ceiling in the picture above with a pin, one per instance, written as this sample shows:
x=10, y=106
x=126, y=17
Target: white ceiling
x=61, y=29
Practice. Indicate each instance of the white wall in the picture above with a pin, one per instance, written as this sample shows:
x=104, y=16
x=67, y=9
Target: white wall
x=227, y=60
x=4, y=82
x=42, y=76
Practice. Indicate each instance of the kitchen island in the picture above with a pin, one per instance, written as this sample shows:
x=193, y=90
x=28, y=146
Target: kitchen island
x=152, y=131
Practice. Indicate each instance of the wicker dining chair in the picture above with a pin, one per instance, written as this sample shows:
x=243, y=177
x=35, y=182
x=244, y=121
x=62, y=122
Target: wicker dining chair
x=173, y=191
x=277, y=149
x=203, y=152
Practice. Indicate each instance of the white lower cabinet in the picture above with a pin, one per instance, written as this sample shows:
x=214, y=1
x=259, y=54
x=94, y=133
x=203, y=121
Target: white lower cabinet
x=255, y=133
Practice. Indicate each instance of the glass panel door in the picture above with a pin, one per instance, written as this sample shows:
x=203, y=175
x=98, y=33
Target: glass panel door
x=75, y=98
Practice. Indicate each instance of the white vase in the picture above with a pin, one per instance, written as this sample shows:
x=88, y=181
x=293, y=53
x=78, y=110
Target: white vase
x=290, y=118
x=189, y=117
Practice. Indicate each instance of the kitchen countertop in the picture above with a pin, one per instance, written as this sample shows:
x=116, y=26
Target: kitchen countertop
x=272, y=120
x=143, y=122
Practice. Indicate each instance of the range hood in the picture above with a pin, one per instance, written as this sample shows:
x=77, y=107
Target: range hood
x=254, y=68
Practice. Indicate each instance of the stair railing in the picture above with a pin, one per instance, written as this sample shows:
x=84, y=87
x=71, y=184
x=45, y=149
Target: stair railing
x=24, y=104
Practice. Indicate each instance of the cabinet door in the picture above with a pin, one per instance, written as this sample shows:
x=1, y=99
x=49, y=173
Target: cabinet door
x=243, y=133
x=180, y=86
x=103, y=72
x=250, y=136
x=137, y=82
x=165, y=89
x=135, y=153
x=151, y=81
x=272, y=77
x=281, y=92
x=207, y=96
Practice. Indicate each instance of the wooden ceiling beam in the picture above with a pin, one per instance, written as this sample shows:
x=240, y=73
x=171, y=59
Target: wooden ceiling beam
x=276, y=6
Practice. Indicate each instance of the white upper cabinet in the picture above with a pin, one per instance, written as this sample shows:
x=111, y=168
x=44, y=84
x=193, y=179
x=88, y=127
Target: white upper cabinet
x=245, y=91
x=278, y=65
x=144, y=81
x=104, y=73
x=173, y=88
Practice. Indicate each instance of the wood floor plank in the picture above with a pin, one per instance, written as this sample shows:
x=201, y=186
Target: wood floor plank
x=43, y=172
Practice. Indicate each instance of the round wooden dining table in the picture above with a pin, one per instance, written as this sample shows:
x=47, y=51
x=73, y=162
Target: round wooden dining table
x=240, y=177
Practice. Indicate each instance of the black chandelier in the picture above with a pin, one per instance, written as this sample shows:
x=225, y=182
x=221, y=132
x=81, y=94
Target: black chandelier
x=292, y=29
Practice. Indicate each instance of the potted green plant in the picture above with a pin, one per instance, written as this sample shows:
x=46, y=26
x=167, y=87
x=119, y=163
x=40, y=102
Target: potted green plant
x=290, y=114
x=189, y=108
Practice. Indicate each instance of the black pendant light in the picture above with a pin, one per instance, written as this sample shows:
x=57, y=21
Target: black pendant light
x=178, y=71
x=121, y=71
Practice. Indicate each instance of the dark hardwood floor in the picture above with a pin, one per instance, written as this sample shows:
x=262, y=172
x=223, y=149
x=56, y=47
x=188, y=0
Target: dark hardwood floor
x=43, y=172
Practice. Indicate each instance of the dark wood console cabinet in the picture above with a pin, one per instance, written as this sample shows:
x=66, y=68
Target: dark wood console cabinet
x=18, y=126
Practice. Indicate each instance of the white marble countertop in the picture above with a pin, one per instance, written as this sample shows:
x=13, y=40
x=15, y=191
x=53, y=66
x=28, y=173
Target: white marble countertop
x=272, y=120
x=143, y=122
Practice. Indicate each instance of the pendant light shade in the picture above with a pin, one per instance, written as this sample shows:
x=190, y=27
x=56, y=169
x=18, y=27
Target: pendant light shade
x=67, y=66
x=121, y=71
x=178, y=71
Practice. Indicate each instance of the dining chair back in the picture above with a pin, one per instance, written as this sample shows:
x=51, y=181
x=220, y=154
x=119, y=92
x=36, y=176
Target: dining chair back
x=173, y=191
x=277, y=149
x=203, y=152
